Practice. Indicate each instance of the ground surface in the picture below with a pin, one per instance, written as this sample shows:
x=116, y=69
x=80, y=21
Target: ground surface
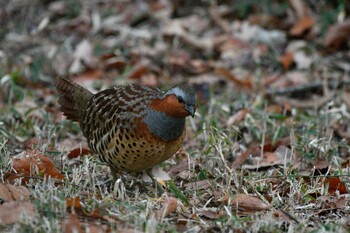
x=268, y=149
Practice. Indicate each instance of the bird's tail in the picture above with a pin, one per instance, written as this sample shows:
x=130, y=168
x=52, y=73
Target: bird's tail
x=73, y=98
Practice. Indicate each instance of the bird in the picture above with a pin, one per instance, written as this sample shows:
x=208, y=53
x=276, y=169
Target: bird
x=130, y=127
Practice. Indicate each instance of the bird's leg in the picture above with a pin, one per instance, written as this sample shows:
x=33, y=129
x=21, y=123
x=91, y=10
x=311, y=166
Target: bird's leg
x=158, y=186
x=117, y=187
x=115, y=174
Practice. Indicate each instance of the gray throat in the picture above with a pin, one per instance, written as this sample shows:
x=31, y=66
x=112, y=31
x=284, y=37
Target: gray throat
x=165, y=127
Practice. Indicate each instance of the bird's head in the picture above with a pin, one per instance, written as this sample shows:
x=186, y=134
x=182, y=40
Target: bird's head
x=179, y=101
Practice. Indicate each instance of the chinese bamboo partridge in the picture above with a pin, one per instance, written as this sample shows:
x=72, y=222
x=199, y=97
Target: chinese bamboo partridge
x=132, y=127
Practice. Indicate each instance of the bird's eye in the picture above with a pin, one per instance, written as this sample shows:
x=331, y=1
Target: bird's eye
x=181, y=100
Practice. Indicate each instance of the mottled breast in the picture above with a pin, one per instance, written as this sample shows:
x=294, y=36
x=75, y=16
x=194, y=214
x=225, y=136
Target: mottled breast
x=120, y=128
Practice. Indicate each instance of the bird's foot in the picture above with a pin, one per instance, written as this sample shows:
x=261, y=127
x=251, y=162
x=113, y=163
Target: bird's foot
x=159, y=188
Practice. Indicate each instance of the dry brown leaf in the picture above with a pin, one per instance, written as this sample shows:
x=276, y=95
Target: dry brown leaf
x=285, y=216
x=14, y=211
x=138, y=71
x=265, y=20
x=27, y=144
x=249, y=203
x=342, y=129
x=245, y=203
x=284, y=142
x=94, y=228
x=77, y=152
x=262, y=167
x=9, y=192
x=169, y=206
x=246, y=83
x=95, y=214
x=150, y=80
x=274, y=155
x=314, y=103
x=269, y=147
x=182, y=61
x=81, y=24
x=286, y=60
x=338, y=35
x=346, y=163
x=329, y=202
x=291, y=79
x=181, y=166
x=197, y=185
x=346, y=98
x=219, y=194
x=210, y=214
x=72, y=224
x=243, y=157
x=302, y=25
x=229, y=44
x=176, y=29
x=111, y=61
x=28, y=83
x=33, y=163
x=335, y=184
x=275, y=108
x=73, y=203
x=237, y=117
x=300, y=8
x=269, y=80
x=270, y=158
x=87, y=75
x=222, y=23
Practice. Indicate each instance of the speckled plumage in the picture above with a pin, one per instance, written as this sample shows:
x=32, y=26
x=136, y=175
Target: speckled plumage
x=133, y=127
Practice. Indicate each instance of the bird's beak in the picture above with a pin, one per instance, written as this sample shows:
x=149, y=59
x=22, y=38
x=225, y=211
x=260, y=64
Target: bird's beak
x=190, y=109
